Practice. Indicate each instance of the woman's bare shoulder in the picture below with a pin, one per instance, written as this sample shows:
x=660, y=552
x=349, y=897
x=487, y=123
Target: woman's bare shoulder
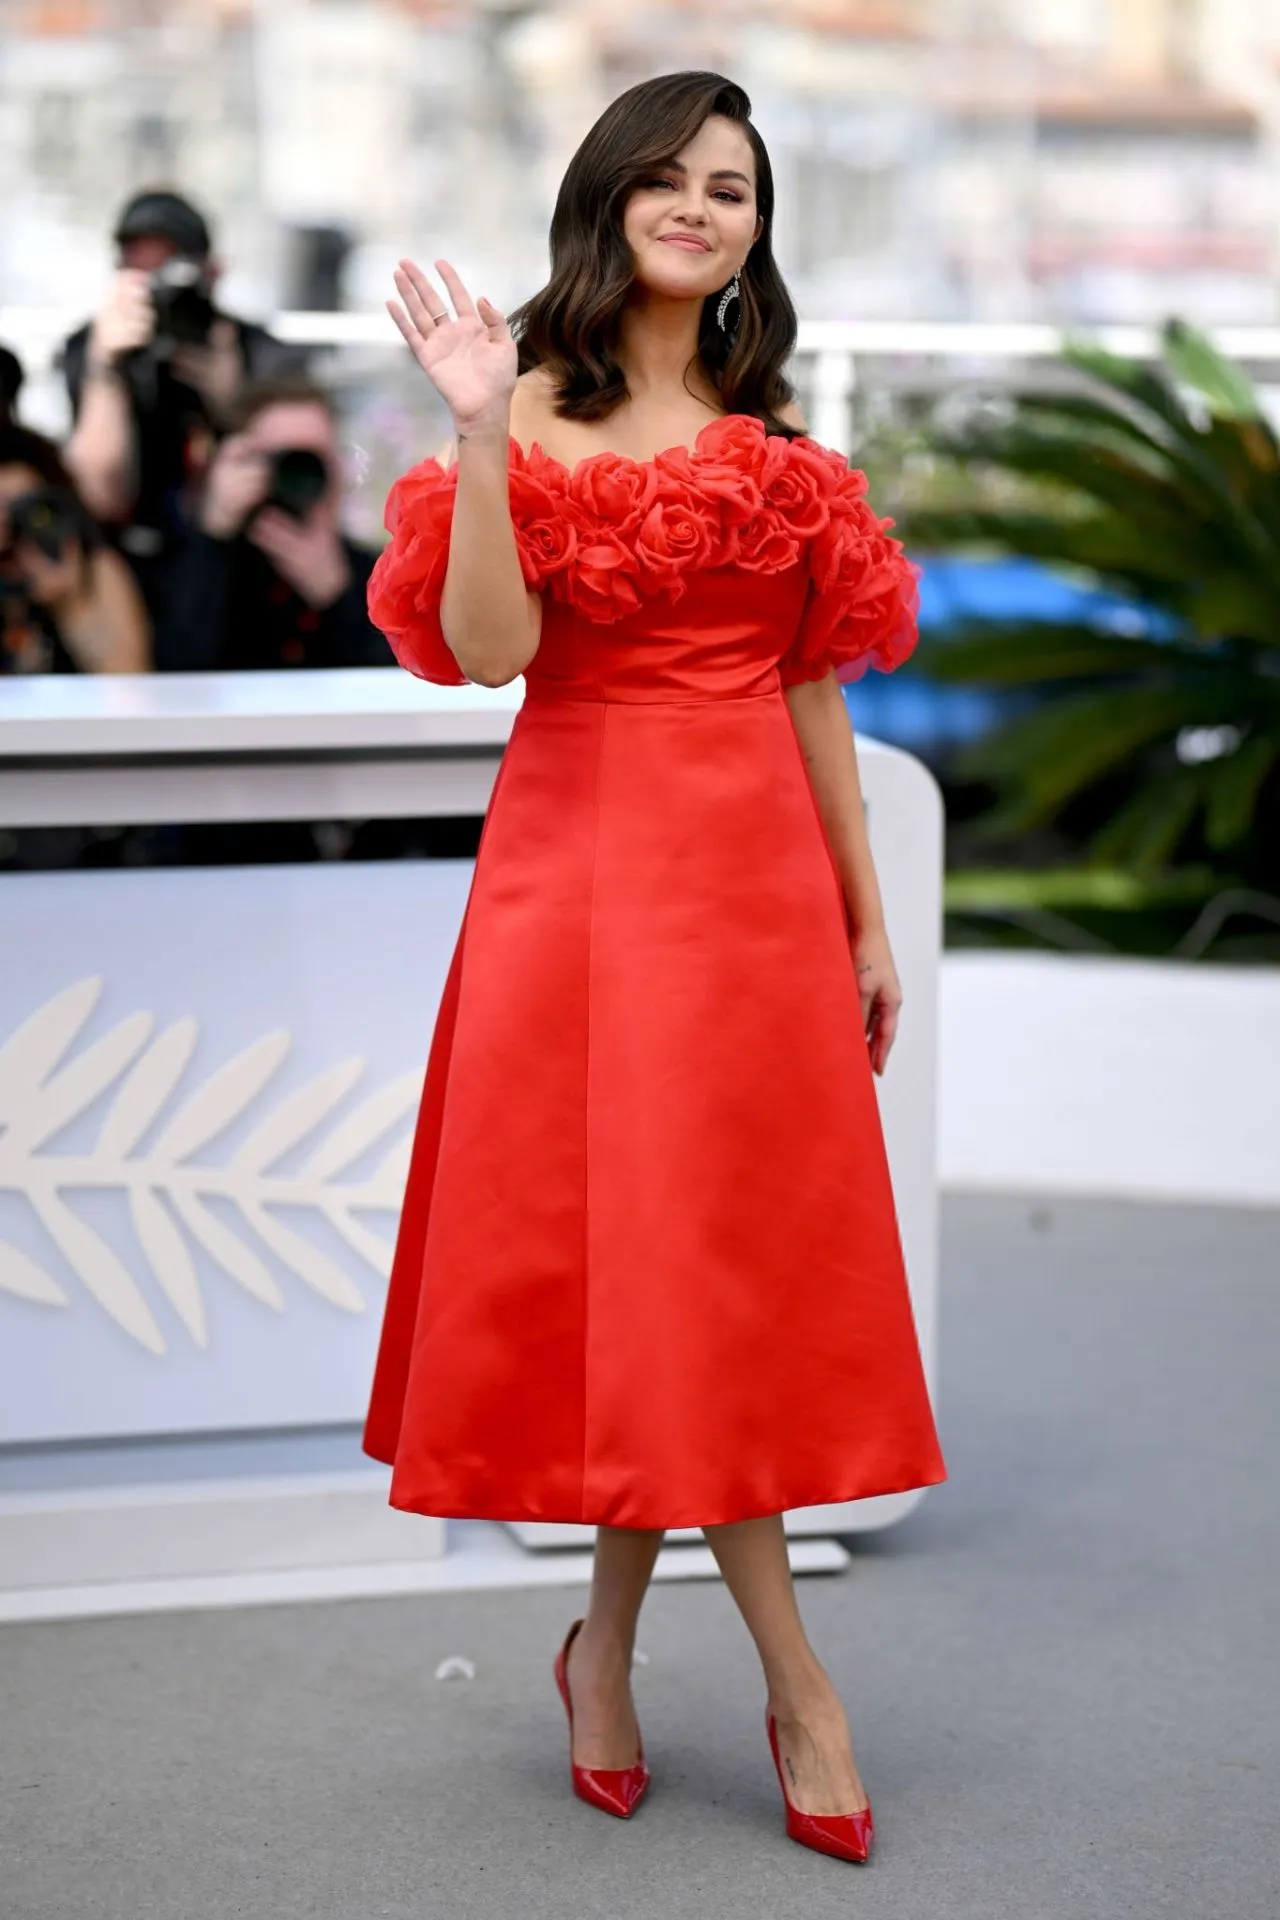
x=792, y=416
x=532, y=406
x=538, y=382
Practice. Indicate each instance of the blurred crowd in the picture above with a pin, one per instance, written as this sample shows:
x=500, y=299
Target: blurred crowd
x=193, y=519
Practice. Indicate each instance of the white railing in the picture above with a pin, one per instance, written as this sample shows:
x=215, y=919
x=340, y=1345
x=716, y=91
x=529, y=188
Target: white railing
x=831, y=355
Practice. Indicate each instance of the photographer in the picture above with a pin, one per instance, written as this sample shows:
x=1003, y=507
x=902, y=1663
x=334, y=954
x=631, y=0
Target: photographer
x=152, y=377
x=266, y=578
x=68, y=604
x=10, y=385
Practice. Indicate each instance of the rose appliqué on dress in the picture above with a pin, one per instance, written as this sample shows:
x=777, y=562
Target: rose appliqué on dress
x=612, y=532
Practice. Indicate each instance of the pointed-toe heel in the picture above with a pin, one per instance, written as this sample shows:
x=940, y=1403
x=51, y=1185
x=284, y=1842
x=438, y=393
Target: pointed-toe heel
x=615, y=1790
x=846, y=1836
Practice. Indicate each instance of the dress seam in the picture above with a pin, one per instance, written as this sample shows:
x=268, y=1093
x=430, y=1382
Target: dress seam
x=586, y=1111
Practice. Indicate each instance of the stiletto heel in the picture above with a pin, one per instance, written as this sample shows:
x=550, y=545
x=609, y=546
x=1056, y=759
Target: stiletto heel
x=847, y=1836
x=616, y=1790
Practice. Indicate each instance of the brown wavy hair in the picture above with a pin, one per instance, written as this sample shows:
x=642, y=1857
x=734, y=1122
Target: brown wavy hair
x=570, y=328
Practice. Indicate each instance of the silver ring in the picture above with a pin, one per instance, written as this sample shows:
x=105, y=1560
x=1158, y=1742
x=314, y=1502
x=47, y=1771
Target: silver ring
x=438, y=316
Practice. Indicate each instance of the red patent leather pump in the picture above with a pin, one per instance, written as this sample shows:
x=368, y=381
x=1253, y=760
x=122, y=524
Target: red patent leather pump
x=847, y=1836
x=616, y=1790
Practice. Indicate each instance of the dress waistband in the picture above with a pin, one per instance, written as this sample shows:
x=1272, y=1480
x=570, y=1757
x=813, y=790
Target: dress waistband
x=544, y=696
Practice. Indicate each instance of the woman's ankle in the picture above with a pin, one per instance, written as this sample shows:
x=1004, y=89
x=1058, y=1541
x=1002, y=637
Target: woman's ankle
x=801, y=1690
x=607, y=1642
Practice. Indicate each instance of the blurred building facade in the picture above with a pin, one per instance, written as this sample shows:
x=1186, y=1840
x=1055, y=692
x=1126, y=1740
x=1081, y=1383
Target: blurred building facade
x=1078, y=160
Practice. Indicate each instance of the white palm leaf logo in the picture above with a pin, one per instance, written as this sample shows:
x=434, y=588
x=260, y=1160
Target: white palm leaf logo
x=170, y=1189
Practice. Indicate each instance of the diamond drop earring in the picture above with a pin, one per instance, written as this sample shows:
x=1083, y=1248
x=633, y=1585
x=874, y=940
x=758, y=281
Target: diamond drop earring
x=727, y=299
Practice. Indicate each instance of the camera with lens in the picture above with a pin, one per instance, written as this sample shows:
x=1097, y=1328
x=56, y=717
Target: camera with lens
x=51, y=518
x=299, y=481
x=182, y=294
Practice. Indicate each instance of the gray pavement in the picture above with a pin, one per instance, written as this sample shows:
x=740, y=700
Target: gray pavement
x=1062, y=1669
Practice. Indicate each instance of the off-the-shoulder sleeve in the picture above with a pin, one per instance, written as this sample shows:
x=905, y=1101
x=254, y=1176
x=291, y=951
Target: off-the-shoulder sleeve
x=408, y=575
x=863, y=595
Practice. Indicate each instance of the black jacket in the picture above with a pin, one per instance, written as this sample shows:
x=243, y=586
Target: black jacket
x=225, y=607
x=168, y=415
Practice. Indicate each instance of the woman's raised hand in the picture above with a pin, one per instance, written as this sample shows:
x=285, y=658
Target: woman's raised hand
x=468, y=355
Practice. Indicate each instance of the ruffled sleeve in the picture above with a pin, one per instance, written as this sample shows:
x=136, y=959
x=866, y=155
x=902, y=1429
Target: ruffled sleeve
x=408, y=575
x=863, y=594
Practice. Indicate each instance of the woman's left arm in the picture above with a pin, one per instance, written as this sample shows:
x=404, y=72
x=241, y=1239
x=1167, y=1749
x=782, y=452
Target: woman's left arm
x=821, y=721
x=104, y=621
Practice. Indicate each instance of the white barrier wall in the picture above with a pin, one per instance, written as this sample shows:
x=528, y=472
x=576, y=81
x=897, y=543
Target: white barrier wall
x=210, y=1087
x=208, y=1077
x=1134, y=1079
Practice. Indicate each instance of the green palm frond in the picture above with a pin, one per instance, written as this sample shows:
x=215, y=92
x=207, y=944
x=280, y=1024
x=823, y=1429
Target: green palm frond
x=1043, y=759
x=1110, y=889
x=993, y=653
x=1144, y=834
x=1103, y=544
x=1123, y=509
x=1158, y=754
x=1192, y=358
x=1241, y=606
x=1142, y=487
x=1108, y=423
x=1147, y=389
x=1234, y=786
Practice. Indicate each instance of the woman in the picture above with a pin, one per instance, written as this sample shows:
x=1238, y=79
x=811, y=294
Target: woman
x=648, y=1272
x=68, y=604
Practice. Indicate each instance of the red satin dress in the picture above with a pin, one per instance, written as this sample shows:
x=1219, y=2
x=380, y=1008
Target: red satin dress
x=648, y=1271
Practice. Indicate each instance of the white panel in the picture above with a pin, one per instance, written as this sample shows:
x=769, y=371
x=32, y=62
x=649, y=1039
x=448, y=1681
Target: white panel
x=282, y=975
x=326, y=788
x=340, y=709
x=1133, y=1078
x=187, y=1531
x=480, y=1557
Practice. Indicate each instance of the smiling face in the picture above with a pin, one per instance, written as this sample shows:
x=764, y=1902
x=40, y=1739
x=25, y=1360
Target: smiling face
x=691, y=223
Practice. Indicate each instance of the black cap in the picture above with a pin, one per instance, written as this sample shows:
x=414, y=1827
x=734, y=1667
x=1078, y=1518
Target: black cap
x=10, y=377
x=166, y=216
